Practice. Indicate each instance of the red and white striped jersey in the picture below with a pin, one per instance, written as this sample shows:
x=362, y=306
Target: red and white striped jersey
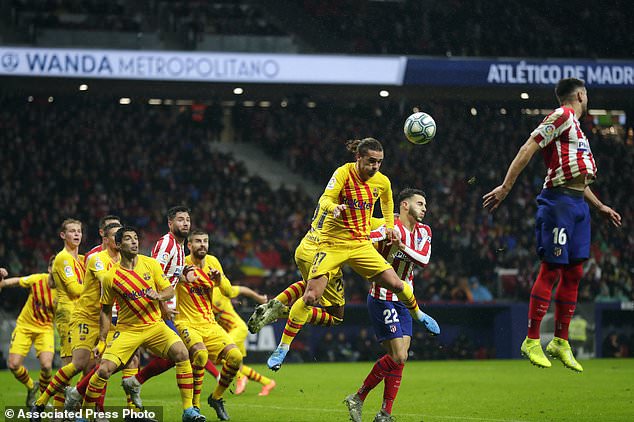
x=565, y=148
x=169, y=253
x=417, y=252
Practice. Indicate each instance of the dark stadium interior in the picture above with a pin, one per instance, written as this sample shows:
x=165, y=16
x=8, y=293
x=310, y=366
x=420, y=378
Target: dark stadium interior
x=85, y=154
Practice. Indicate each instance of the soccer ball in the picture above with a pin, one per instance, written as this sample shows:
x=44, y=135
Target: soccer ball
x=419, y=128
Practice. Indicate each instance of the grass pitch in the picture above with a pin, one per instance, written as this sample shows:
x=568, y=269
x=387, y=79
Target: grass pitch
x=439, y=391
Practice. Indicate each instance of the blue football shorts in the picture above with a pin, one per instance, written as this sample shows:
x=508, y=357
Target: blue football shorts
x=562, y=226
x=389, y=319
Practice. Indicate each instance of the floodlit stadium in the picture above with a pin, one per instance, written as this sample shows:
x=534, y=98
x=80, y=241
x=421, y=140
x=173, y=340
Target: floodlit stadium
x=185, y=219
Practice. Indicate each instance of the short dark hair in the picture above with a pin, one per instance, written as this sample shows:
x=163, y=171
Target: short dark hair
x=408, y=193
x=197, y=232
x=109, y=227
x=567, y=87
x=362, y=146
x=118, y=237
x=171, y=213
x=102, y=220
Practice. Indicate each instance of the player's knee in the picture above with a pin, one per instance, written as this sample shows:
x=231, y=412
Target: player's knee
x=200, y=357
x=105, y=371
x=399, y=357
x=337, y=312
x=13, y=365
x=233, y=357
x=336, y=320
x=46, y=368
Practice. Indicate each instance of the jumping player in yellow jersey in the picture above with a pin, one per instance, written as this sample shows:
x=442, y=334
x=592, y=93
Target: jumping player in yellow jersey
x=196, y=323
x=347, y=205
x=234, y=325
x=34, y=326
x=138, y=285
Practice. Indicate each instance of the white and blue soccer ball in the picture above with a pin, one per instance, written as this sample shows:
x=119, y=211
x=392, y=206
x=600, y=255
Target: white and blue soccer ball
x=420, y=128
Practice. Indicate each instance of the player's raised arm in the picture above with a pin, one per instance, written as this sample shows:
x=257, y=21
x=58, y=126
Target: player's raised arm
x=493, y=199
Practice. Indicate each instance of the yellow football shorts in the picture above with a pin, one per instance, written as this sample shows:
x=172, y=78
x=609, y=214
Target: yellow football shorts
x=212, y=336
x=334, y=295
x=235, y=327
x=23, y=336
x=362, y=257
x=157, y=338
x=83, y=335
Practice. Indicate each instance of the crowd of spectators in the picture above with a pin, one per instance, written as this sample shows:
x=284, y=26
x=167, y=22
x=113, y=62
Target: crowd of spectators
x=478, y=28
x=469, y=156
x=32, y=15
x=90, y=157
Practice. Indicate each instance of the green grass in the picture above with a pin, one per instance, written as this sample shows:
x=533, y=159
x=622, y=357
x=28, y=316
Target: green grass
x=497, y=390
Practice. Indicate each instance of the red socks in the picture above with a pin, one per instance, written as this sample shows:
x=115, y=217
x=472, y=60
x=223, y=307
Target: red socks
x=211, y=368
x=155, y=367
x=392, y=384
x=384, y=368
x=540, y=296
x=566, y=298
x=83, y=383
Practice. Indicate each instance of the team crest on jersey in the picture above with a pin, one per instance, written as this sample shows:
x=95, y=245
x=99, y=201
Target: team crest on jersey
x=375, y=193
x=557, y=251
x=392, y=328
x=68, y=271
x=147, y=276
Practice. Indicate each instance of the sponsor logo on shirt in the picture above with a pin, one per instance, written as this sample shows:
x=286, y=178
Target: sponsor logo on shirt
x=199, y=290
x=357, y=204
x=135, y=294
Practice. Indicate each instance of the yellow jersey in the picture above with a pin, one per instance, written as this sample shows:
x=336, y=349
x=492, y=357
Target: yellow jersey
x=194, y=301
x=129, y=288
x=39, y=309
x=97, y=266
x=346, y=187
x=68, y=274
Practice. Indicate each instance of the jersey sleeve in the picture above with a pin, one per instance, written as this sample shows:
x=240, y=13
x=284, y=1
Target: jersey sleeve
x=65, y=275
x=159, y=276
x=551, y=127
x=330, y=198
x=387, y=203
x=107, y=292
x=163, y=251
x=226, y=288
x=421, y=254
x=97, y=266
x=30, y=280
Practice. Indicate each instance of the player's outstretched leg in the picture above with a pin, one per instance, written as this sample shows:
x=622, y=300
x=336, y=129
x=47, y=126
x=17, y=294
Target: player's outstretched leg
x=355, y=407
x=532, y=349
x=560, y=349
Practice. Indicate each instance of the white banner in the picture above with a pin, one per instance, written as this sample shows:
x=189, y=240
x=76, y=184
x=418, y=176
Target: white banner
x=202, y=67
